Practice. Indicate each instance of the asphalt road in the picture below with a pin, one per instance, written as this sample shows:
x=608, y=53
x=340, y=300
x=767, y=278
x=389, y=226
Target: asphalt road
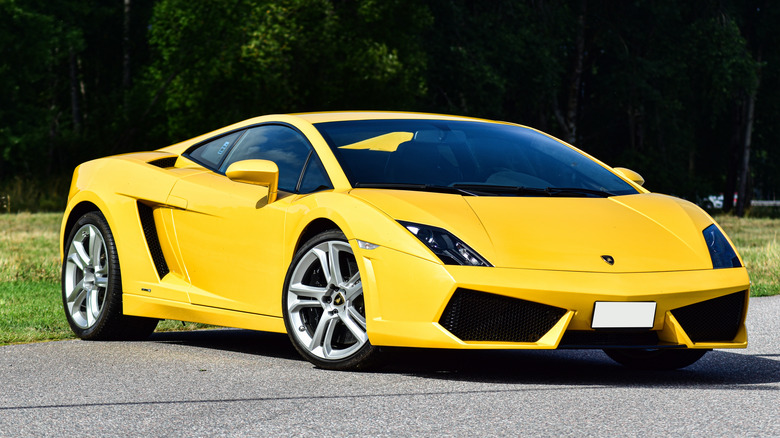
x=241, y=383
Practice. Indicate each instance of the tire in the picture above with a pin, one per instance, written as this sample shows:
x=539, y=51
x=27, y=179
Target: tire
x=323, y=305
x=92, y=285
x=663, y=359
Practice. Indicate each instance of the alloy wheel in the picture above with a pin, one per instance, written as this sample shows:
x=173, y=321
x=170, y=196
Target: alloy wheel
x=86, y=276
x=325, y=304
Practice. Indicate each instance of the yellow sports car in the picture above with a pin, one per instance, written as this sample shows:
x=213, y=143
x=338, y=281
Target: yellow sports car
x=351, y=231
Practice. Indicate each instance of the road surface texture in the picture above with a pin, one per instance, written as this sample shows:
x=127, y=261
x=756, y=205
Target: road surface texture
x=241, y=383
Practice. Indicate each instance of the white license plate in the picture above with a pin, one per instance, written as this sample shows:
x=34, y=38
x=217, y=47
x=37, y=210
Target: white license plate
x=609, y=314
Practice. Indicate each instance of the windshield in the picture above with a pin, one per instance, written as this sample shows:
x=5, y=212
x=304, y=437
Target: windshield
x=470, y=158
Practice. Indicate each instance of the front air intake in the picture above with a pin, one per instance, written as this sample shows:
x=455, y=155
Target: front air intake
x=715, y=320
x=479, y=316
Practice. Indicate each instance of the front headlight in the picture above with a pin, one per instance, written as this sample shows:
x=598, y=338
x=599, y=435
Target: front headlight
x=449, y=249
x=721, y=252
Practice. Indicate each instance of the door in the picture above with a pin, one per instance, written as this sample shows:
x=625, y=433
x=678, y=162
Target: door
x=230, y=238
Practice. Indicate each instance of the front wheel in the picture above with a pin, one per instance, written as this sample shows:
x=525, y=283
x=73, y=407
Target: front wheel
x=660, y=359
x=324, y=307
x=92, y=284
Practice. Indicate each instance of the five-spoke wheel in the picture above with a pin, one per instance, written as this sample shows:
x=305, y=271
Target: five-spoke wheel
x=91, y=284
x=324, y=306
x=86, y=276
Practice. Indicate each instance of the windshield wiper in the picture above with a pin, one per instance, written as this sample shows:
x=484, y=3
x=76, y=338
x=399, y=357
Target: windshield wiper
x=534, y=191
x=503, y=190
x=421, y=188
x=487, y=189
x=565, y=191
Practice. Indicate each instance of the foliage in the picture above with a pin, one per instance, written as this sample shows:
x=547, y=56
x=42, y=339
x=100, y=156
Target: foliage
x=293, y=55
x=661, y=86
x=34, y=194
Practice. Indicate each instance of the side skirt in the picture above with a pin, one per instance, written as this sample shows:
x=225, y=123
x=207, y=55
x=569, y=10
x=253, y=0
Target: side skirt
x=150, y=307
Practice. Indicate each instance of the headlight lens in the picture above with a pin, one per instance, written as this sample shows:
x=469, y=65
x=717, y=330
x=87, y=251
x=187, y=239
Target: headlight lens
x=721, y=252
x=449, y=249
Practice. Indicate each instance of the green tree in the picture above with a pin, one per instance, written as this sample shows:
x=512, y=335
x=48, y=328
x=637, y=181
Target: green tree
x=222, y=61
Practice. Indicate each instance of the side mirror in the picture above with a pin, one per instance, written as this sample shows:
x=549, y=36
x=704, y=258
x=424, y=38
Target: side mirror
x=630, y=174
x=260, y=172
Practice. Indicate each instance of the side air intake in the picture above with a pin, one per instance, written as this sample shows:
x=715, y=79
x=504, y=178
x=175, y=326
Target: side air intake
x=152, y=241
x=479, y=316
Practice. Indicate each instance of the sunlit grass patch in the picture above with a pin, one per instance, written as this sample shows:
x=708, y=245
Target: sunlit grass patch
x=28, y=247
x=31, y=311
x=757, y=241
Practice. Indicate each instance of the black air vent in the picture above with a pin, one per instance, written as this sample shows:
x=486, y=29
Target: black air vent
x=164, y=162
x=152, y=241
x=479, y=316
x=713, y=320
x=608, y=338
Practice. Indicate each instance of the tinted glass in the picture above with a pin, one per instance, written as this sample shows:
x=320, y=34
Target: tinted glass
x=314, y=177
x=451, y=153
x=280, y=144
x=212, y=153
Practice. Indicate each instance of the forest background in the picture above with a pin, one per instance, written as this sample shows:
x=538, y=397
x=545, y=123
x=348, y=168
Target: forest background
x=684, y=92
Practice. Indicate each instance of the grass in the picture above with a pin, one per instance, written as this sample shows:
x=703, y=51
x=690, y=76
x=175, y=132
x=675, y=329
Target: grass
x=31, y=311
x=757, y=241
x=30, y=300
x=31, y=305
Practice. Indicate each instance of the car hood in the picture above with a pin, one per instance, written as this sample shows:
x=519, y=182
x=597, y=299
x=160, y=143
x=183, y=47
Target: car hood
x=640, y=233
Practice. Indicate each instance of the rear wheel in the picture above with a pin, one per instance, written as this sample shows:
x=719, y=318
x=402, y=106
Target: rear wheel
x=661, y=359
x=92, y=284
x=323, y=304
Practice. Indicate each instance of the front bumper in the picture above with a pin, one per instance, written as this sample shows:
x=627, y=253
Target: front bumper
x=407, y=301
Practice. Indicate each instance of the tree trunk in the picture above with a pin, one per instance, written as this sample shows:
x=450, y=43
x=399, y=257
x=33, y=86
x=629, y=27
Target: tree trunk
x=75, y=105
x=735, y=147
x=568, y=120
x=743, y=202
x=127, y=81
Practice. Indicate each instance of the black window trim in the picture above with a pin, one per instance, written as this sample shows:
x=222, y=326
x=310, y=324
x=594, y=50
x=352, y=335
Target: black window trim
x=245, y=129
x=303, y=171
x=188, y=153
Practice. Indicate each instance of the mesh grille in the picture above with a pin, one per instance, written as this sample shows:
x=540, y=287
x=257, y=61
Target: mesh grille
x=152, y=241
x=164, y=162
x=479, y=316
x=599, y=339
x=713, y=320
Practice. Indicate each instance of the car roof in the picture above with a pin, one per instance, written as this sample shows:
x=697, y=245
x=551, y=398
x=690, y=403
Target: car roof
x=339, y=116
x=321, y=117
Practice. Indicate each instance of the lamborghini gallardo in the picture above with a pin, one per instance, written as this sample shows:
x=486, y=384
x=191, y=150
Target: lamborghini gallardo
x=357, y=231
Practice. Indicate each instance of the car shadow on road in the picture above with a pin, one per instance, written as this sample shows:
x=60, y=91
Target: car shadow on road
x=582, y=367
x=236, y=340
x=719, y=368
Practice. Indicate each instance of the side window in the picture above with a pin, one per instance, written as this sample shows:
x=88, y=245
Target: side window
x=212, y=153
x=280, y=144
x=314, y=177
